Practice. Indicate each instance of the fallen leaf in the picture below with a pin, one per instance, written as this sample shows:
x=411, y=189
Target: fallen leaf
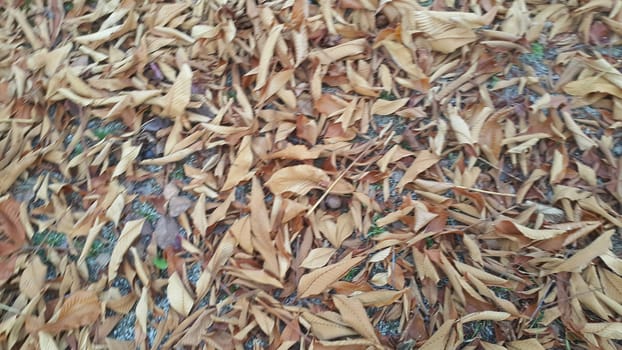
x=316, y=281
x=179, y=297
x=299, y=179
x=81, y=308
x=130, y=232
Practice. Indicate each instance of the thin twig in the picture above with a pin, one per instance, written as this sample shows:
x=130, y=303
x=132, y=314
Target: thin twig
x=484, y=191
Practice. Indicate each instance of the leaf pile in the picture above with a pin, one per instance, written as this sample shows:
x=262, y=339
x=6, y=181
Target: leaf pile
x=292, y=174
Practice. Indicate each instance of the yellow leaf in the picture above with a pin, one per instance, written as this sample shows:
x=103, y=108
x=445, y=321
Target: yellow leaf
x=179, y=297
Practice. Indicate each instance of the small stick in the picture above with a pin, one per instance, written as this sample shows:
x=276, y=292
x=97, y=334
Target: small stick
x=484, y=191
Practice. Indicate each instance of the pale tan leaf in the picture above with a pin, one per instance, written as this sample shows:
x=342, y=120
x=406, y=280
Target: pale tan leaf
x=295, y=152
x=315, y=282
x=267, y=52
x=336, y=53
x=142, y=309
x=222, y=253
x=539, y=234
x=259, y=276
x=527, y=344
x=179, y=297
x=9, y=175
x=198, y=215
x=130, y=232
x=439, y=339
x=240, y=168
x=582, y=140
x=32, y=280
x=610, y=330
x=325, y=329
x=485, y=316
x=317, y=258
x=221, y=211
x=460, y=127
x=386, y=107
x=81, y=308
x=116, y=209
x=178, y=96
x=583, y=257
x=587, y=173
x=403, y=58
x=394, y=216
x=423, y=160
x=299, y=179
x=380, y=255
x=353, y=313
x=46, y=341
x=378, y=298
x=128, y=155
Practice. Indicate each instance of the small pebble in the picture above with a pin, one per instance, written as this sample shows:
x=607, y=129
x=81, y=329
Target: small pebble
x=333, y=201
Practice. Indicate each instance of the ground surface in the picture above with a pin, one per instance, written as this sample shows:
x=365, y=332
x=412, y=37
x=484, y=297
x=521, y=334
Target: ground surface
x=300, y=174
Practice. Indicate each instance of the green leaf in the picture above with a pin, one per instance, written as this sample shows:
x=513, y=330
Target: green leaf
x=160, y=263
x=537, y=49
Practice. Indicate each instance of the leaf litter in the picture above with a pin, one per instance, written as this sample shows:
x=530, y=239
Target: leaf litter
x=301, y=174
